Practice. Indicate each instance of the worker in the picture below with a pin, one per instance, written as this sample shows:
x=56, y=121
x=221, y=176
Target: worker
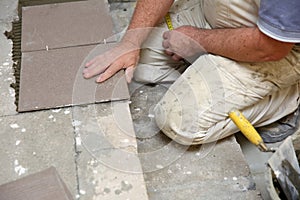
x=244, y=54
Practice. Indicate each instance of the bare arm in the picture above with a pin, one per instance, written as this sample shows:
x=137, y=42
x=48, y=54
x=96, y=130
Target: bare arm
x=240, y=44
x=146, y=15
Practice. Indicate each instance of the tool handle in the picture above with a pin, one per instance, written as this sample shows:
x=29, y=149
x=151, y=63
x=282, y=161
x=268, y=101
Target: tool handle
x=247, y=129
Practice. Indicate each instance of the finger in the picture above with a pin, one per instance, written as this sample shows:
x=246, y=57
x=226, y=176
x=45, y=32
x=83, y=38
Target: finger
x=89, y=63
x=129, y=73
x=109, y=72
x=94, y=69
x=165, y=44
x=169, y=53
x=176, y=57
x=166, y=34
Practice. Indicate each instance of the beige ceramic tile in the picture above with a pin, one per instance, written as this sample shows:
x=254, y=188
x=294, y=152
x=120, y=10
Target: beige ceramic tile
x=54, y=79
x=65, y=24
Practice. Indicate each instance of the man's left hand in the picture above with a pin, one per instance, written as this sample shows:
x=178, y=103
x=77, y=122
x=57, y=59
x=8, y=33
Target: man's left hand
x=181, y=43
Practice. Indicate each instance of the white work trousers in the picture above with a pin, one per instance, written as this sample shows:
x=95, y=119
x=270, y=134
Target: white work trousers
x=195, y=108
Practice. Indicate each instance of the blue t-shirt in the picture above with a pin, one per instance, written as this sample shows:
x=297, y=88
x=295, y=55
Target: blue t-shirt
x=280, y=19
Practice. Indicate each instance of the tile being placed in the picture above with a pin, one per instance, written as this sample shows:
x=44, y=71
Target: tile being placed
x=54, y=79
x=65, y=24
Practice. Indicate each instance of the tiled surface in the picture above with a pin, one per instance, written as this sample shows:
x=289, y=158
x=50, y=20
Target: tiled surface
x=65, y=24
x=56, y=42
x=54, y=78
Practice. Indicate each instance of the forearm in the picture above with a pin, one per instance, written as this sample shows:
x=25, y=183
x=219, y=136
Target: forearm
x=242, y=44
x=147, y=14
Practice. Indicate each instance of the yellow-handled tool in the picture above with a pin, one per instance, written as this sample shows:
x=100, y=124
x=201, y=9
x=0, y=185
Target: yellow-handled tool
x=248, y=130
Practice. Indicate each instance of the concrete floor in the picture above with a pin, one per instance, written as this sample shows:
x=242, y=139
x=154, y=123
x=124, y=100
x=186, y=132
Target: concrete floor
x=67, y=138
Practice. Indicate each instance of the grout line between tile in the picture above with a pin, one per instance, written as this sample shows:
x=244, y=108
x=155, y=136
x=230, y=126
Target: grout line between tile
x=72, y=46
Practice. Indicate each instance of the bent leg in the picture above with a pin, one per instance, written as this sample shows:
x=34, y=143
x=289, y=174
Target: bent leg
x=195, y=109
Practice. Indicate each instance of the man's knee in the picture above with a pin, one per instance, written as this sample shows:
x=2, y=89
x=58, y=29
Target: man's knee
x=182, y=128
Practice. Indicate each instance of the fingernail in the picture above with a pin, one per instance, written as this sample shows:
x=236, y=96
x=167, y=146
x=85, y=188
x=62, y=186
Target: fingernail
x=99, y=79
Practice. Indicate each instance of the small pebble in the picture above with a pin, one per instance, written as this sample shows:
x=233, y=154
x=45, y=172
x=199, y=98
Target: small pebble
x=234, y=178
x=5, y=64
x=18, y=142
x=23, y=130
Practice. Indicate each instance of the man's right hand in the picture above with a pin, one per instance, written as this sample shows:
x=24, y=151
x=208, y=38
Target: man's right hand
x=124, y=56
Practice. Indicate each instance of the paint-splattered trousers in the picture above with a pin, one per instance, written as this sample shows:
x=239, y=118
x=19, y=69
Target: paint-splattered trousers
x=195, y=108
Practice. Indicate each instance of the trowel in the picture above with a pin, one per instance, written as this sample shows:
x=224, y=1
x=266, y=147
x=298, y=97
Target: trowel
x=283, y=162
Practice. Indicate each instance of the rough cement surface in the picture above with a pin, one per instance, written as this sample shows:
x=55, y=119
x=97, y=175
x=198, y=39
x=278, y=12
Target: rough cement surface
x=120, y=13
x=173, y=171
x=108, y=165
x=32, y=142
x=8, y=13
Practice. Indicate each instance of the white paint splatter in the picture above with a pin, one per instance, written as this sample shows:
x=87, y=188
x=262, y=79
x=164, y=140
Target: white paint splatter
x=78, y=141
x=137, y=109
x=170, y=171
x=77, y=196
x=12, y=92
x=10, y=54
x=34, y=153
x=23, y=130
x=125, y=141
x=188, y=173
x=277, y=173
x=14, y=126
x=225, y=178
x=56, y=110
x=82, y=192
x=67, y=112
x=234, y=178
x=5, y=64
x=18, y=142
x=20, y=170
x=76, y=123
x=95, y=171
x=141, y=91
x=51, y=117
x=159, y=166
x=151, y=116
x=47, y=48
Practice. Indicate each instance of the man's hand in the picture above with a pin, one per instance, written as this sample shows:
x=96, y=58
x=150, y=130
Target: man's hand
x=181, y=42
x=124, y=56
